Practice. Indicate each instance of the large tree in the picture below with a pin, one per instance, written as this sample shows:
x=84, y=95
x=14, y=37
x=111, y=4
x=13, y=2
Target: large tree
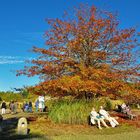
x=86, y=51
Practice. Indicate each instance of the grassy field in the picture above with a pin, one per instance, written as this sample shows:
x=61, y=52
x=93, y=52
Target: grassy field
x=44, y=129
x=83, y=132
x=67, y=121
x=122, y=136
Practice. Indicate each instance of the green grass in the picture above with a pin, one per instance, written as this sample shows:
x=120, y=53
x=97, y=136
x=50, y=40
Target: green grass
x=75, y=111
x=84, y=132
x=122, y=136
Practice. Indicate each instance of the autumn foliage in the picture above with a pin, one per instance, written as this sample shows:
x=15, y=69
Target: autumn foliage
x=86, y=51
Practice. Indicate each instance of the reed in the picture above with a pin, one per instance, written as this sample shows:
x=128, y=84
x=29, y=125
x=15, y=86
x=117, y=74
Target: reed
x=73, y=112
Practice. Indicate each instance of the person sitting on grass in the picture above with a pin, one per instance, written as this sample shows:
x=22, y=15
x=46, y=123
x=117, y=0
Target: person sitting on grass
x=95, y=117
x=123, y=108
x=106, y=116
x=128, y=112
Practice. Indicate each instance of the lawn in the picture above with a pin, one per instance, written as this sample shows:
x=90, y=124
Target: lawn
x=43, y=129
x=83, y=132
x=118, y=136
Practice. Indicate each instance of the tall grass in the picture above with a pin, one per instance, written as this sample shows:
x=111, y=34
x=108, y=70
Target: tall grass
x=74, y=112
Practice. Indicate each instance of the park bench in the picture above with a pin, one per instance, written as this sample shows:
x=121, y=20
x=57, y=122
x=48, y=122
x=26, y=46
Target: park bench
x=127, y=115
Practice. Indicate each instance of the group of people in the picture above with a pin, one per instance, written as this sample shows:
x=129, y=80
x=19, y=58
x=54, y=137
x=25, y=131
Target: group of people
x=27, y=107
x=39, y=105
x=101, y=116
x=13, y=106
x=125, y=108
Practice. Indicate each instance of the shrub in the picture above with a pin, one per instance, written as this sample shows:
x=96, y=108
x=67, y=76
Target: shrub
x=8, y=96
x=108, y=105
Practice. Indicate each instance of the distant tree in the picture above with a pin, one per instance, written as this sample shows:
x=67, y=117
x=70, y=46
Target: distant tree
x=87, y=52
x=23, y=91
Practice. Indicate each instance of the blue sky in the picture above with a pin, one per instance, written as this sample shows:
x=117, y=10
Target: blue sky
x=22, y=25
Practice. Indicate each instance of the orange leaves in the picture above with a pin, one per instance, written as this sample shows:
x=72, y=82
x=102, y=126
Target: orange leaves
x=86, y=51
x=93, y=13
x=100, y=81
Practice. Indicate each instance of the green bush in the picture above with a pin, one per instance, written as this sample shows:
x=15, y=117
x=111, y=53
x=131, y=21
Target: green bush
x=108, y=105
x=21, y=96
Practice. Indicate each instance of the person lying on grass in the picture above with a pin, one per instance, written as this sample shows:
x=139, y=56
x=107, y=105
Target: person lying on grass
x=95, y=117
x=106, y=116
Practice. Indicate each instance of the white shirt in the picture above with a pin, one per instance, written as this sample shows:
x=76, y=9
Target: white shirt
x=41, y=99
x=123, y=106
x=104, y=113
x=94, y=114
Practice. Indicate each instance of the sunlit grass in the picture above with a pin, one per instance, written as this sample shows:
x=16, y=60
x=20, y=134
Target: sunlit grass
x=73, y=112
x=122, y=136
x=82, y=132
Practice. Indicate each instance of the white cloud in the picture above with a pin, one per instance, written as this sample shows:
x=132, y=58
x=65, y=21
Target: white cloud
x=12, y=59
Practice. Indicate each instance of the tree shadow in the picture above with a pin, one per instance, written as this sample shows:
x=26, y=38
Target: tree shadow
x=9, y=131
